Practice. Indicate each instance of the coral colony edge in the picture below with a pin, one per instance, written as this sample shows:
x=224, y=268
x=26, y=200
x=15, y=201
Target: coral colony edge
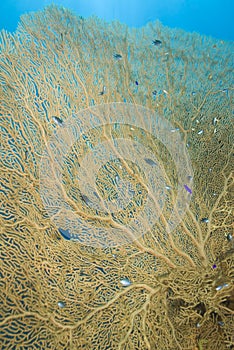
x=116, y=186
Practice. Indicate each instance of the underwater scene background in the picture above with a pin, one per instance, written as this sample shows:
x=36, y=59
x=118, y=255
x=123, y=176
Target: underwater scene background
x=116, y=186
x=208, y=17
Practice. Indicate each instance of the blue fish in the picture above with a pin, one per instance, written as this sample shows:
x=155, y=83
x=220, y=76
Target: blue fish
x=150, y=161
x=65, y=233
x=117, y=56
x=156, y=42
x=188, y=189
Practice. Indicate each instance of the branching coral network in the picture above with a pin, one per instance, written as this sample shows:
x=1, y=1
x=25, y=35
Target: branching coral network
x=116, y=187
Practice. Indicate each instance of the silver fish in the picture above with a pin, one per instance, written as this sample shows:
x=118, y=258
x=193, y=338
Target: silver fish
x=58, y=121
x=125, y=282
x=61, y=304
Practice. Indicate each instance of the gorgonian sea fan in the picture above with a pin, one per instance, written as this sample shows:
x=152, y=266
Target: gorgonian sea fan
x=147, y=174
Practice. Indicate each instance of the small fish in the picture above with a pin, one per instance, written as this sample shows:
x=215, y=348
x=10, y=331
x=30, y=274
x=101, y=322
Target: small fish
x=206, y=220
x=65, y=233
x=117, y=56
x=25, y=155
x=225, y=91
x=154, y=92
x=229, y=237
x=225, y=285
x=96, y=195
x=188, y=189
x=156, y=42
x=58, y=120
x=200, y=132
x=150, y=161
x=125, y=282
x=214, y=121
x=85, y=199
x=136, y=82
x=61, y=304
x=221, y=286
x=101, y=93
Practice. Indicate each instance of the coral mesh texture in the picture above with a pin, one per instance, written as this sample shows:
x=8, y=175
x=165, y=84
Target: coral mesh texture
x=94, y=288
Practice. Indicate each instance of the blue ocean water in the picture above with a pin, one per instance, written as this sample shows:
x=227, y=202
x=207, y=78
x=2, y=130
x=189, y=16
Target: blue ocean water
x=208, y=17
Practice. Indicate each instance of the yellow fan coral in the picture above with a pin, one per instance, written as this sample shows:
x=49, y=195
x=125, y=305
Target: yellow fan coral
x=116, y=208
